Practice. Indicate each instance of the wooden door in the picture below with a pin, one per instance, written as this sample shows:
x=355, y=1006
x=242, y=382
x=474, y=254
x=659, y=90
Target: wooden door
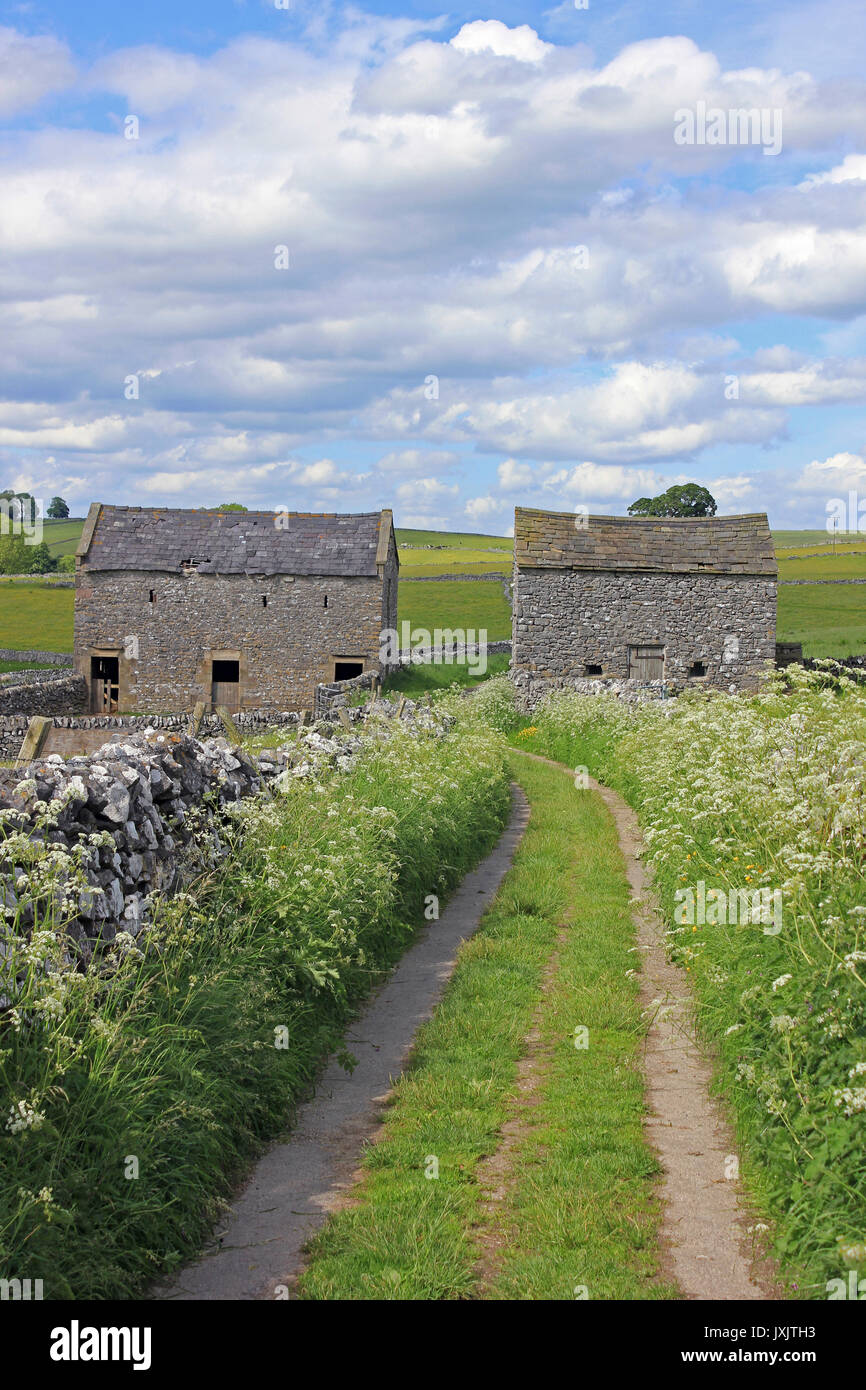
x=646, y=662
x=227, y=694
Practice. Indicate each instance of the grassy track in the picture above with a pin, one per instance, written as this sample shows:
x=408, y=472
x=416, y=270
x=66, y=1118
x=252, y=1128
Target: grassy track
x=23, y=666
x=582, y=1210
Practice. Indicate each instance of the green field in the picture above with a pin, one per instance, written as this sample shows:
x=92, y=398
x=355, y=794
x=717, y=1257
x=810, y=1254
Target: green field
x=818, y=538
x=459, y=553
x=829, y=620
x=475, y=605
x=849, y=564
x=36, y=615
x=62, y=537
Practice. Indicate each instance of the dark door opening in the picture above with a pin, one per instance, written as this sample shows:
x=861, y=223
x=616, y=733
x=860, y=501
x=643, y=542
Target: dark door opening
x=345, y=670
x=104, y=684
x=225, y=685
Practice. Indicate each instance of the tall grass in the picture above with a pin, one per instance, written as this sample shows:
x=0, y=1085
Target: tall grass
x=132, y=1106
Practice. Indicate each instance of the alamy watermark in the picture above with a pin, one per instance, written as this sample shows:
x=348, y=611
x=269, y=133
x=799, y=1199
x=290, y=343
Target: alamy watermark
x=846, y=514
x=713, y=125
x=728, y=907
x=444, y=646
x=21, y=516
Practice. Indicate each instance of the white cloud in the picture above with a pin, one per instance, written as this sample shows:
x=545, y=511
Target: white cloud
x=838, y=473
x=491, y=36
x=426, y=489
x=513, y=474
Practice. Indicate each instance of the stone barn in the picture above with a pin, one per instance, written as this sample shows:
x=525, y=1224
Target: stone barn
x=250, y=610
x=690, y=601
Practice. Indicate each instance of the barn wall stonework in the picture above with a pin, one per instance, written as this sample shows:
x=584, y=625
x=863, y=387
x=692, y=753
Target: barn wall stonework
x=285, y=649
x=565, y=620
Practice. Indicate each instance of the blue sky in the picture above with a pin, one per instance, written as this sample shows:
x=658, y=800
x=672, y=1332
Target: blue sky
x=504, y=279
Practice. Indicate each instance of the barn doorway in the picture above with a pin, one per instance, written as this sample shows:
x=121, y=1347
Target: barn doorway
x=346, y=670
x=104, y=684
x=646, y=662
x=226, y=685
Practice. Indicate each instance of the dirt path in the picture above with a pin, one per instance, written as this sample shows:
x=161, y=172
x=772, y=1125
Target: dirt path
x=704, y=1224
x=258, y=1253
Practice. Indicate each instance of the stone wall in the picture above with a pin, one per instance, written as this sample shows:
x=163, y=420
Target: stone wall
x=35, y=676
x=531, y=691
x=51, y=693
x=80, y=733
x=37, y=657
x=159, y=800
x=278, y=628
x=567, y=620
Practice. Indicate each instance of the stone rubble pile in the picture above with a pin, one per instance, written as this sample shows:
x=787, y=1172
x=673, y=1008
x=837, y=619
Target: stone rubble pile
x=159, y=802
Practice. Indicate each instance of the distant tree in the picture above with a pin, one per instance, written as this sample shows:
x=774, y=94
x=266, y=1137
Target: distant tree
x=57, y=509
x=41, y=561
x=229, y=507
x=683, y=499
x=66, y=564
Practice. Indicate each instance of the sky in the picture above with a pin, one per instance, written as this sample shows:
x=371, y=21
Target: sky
x=333, y=257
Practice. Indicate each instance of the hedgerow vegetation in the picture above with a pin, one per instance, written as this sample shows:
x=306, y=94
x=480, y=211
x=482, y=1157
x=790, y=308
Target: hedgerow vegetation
x=135, y=1096
x=765, y=792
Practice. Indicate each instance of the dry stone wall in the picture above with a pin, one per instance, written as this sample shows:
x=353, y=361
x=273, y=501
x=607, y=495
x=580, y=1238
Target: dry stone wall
x=145, y=814
x=43, y=692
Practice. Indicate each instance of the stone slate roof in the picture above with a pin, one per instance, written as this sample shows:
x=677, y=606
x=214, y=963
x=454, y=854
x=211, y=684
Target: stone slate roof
x=167, y=539
x=686, y=545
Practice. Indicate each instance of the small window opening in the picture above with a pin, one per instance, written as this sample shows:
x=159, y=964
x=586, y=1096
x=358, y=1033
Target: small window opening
x=264, y=600
x=591, y=670
x=152, y=596
x=326, y=600
x=697, y=668
x=345, y=670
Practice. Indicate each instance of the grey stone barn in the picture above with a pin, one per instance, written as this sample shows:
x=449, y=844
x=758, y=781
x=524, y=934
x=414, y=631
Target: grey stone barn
x=689, y=600
x=250, y=610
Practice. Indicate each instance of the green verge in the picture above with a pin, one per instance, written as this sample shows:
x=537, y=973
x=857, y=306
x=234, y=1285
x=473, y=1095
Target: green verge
x=147, y=1091
x=584, y=1210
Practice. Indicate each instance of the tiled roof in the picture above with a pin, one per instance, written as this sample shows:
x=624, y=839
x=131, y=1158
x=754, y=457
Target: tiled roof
x=711, y=545
x=168, y=539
